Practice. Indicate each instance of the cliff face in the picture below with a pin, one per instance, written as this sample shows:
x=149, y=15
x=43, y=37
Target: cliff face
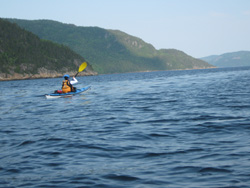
x=25, y=56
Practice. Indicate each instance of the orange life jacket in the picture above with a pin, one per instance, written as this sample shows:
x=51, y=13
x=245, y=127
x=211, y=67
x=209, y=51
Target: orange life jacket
x=66, y=86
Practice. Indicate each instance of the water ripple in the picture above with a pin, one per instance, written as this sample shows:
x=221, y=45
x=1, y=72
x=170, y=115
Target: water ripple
x=162, y=129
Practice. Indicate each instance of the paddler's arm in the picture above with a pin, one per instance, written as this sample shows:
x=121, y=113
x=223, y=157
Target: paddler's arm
x=74, y=81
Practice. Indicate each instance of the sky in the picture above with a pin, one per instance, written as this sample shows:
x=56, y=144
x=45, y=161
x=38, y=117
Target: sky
x=199, y=28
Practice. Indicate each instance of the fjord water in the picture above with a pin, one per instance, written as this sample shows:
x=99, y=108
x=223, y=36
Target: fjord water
x=157, y=129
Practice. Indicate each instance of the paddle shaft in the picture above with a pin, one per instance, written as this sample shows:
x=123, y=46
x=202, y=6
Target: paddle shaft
x=76, y=74
x=81, y=68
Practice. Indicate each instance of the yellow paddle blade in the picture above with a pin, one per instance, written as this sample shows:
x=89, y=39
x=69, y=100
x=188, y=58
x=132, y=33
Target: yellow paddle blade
x=82, y=67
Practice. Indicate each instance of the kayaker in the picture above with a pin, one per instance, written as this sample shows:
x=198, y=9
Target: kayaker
x=67, y=86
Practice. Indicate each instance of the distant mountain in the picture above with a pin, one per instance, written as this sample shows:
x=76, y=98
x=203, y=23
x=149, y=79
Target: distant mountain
x=24, y=55
x=234, y=59
x=111, y=51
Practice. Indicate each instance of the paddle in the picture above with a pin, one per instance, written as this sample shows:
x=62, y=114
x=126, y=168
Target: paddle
x=81, y=68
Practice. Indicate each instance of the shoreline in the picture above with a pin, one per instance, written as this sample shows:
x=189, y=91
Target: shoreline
x=33, y=77
x=162, y=70
x=16, y=76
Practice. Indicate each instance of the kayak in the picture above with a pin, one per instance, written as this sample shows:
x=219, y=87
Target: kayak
x=57, y=95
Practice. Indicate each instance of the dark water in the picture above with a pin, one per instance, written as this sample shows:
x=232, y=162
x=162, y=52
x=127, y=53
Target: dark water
x=143, y=130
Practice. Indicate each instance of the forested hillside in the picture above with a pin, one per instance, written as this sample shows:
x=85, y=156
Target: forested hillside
x=233, y=59
x=24, y=55
x=111, y=51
